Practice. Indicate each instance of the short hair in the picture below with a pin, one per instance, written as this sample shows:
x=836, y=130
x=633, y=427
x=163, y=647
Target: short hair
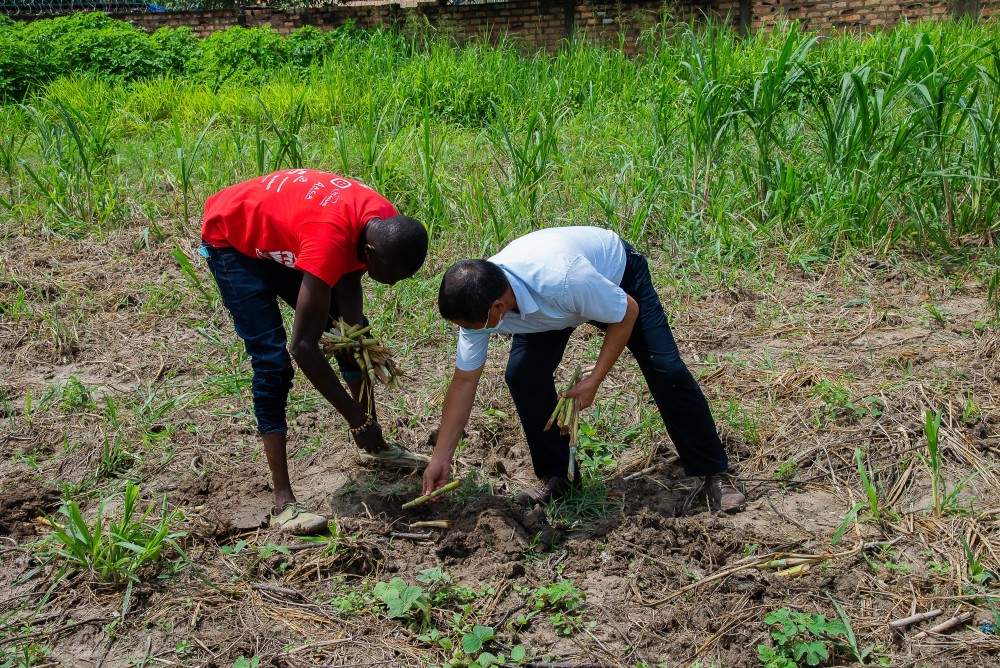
x=400, y=241
x=469, y=288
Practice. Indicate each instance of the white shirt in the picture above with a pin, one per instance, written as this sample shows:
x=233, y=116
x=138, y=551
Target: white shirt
x=561, y=277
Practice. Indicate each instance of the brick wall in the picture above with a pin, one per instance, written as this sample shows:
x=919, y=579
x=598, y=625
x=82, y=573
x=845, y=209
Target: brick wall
x=849, y=14
x=545, y=23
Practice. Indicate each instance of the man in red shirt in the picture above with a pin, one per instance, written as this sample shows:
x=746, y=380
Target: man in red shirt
x=306, y=237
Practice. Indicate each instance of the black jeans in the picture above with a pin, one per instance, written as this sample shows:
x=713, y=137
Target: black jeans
x=685, y=412
x=250, y=289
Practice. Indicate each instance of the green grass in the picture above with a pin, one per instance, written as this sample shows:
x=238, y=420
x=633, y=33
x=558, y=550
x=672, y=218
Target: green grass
x=112, y=549
x=705, y=139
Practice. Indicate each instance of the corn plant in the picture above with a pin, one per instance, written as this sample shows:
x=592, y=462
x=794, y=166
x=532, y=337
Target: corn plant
x=288, y=151
x=113, y=551
x=982, y=208
x=186, y=157
x=73, y=150
x=377, y=130
x=941, y=100
x=430, y=143
x=710, y=107
x=527, y=163
x=761, y=107
x=871, y=493
x=871, y=504
x=932, y=432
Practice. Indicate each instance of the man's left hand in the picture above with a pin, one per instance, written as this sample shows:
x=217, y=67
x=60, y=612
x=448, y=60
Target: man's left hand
x=583, y=392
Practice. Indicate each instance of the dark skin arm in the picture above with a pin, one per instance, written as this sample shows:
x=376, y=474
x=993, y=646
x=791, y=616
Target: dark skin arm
x=349, y=298
x=311, y=313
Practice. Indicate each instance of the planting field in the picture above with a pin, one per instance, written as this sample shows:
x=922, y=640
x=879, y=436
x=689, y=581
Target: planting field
x=820, y=218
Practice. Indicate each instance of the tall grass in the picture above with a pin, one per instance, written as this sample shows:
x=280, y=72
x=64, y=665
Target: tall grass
x=883, y=141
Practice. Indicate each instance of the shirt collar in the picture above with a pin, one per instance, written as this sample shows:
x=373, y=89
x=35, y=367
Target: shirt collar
x=525, y=304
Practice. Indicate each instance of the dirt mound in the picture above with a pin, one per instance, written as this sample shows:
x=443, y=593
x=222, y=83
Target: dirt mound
x=24, y=498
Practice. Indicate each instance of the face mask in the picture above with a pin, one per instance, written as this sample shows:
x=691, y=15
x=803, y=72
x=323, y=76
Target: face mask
x=490, y=330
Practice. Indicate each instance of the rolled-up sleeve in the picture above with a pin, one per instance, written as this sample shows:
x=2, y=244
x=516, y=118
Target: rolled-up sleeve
x=471, y=353
x=592, y=295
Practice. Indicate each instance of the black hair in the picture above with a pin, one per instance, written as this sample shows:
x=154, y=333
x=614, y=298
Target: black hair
x=469, y=288
x=400, y=241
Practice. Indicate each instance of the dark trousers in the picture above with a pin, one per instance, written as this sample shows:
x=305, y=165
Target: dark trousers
x=685, y=412
x=250, y=289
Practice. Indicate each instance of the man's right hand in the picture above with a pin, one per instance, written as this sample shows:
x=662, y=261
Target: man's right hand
x=371, y=439
x=437, y=472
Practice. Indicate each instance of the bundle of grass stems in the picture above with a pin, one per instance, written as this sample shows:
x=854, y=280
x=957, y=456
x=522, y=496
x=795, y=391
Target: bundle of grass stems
x=566, y=416
x=371, y=355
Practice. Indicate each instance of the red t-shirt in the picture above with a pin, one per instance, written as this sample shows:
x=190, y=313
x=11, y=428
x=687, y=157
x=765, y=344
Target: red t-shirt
x=302, y=218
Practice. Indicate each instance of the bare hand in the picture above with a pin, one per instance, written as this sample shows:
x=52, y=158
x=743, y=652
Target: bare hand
x=371, y=439
x=584, y=392
x=436, y=474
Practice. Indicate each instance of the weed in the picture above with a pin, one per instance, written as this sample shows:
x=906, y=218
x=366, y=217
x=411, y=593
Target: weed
x=113, y=551
x=243, y=662
x=860, y=655
x=583, y=505
x=978, y=575
x=403, y=601
x=786, y=470
x=561, y=601
x=798, y=638
x=211, y=298
x=596, y=455
x=470, y=489
x=838, y=401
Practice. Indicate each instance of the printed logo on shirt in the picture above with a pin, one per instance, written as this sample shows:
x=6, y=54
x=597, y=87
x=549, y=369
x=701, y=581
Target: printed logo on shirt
x=286, y=258
x=340, y=183
x=315, y=189
x=332, y=198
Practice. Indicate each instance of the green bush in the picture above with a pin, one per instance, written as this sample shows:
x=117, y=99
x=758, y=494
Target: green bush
x=36, y=53
x=174, y=47
x=242, y=55
x=17, y=63
x=93, y=42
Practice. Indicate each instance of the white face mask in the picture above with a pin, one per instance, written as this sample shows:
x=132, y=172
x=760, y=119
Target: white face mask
x=490, y=330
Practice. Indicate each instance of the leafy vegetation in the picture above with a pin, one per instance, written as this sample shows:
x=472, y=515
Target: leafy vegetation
x=112, y=550
x=886, y=141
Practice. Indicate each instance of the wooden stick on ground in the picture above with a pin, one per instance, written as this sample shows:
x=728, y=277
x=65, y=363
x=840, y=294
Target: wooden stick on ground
x=913, y=619
x=948, y=625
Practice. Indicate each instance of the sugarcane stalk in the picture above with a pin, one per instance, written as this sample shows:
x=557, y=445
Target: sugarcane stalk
x=421, y=500
x=358, y=332
x=357, y=342
x=571, y=472
x=558, y=411
x=431, y=524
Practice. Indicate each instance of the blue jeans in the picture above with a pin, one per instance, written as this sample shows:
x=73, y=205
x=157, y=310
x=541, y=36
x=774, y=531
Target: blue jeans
x=250, y=289
x=681, y=403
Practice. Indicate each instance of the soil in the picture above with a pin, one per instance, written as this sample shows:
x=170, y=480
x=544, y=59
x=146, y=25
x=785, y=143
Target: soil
x=804, y=369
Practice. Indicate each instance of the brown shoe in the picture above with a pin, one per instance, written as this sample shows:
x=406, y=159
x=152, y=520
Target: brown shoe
x=553, y=488
x=722, y=495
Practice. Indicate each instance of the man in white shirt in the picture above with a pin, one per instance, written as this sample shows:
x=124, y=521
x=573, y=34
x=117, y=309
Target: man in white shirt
x=540, y=288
